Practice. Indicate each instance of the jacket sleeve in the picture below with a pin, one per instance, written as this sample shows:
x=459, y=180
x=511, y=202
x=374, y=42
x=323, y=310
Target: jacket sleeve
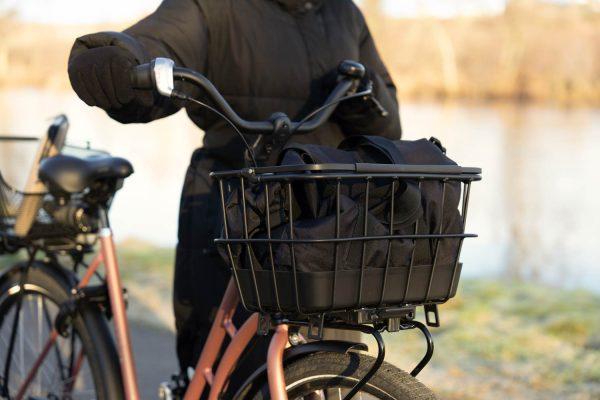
x=176, y=30
x=365, y=118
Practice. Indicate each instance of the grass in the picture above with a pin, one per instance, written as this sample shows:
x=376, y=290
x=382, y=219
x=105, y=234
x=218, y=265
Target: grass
x=521, y=340
x=498, y=339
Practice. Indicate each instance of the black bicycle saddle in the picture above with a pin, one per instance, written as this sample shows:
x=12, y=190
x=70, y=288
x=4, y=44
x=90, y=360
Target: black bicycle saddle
x=70, y=174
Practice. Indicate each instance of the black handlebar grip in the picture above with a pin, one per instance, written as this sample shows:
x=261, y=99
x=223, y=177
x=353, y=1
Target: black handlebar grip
x=352, y=69
x=141, y=76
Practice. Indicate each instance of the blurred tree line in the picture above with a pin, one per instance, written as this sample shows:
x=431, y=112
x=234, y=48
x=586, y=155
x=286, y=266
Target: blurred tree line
x=535, y=50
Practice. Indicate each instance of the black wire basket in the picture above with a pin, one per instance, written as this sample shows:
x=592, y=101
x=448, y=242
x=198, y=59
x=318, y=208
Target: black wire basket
x=313, y=239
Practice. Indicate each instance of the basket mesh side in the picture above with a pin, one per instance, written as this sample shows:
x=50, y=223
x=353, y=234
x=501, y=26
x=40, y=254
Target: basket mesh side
x=10, y=200
x=11, y=205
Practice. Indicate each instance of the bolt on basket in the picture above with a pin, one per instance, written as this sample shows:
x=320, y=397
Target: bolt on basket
x=312, y=239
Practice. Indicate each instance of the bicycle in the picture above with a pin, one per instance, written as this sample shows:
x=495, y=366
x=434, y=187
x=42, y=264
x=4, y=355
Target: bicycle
x=78, y=357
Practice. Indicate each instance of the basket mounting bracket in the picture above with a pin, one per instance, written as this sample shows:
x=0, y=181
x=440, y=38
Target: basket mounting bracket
x=264, y=324
x=432, y=316
x=315, y=326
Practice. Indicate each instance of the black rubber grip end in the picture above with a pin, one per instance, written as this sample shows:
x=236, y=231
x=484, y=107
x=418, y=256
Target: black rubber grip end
x=141, y=76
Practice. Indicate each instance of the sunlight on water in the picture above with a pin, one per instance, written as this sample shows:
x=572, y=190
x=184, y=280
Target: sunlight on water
x=535, y=211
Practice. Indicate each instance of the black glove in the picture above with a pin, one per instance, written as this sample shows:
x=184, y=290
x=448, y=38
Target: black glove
x=363, y=104
x=100, y=77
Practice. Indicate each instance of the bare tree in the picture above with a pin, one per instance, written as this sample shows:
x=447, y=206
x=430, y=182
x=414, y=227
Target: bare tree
x=6, y=14
x=372, y=6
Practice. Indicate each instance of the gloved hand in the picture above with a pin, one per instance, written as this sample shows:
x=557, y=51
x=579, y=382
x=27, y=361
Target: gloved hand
x=100, y=77
x=361, y=105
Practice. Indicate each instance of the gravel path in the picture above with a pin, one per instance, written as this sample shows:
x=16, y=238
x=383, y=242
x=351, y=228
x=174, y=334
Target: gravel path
x=154, y=350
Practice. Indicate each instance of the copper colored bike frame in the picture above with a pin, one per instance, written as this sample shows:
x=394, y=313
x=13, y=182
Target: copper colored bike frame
x=275, y=363
x=117, y=304
x=222, y=326
x=239, y=342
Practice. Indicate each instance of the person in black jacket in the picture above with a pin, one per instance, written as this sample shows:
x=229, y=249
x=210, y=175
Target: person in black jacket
x=264, y=56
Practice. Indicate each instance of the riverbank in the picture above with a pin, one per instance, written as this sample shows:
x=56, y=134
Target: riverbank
x=498, y=339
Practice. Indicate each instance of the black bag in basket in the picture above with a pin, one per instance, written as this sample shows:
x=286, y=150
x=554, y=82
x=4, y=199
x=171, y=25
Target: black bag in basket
x=417, y=210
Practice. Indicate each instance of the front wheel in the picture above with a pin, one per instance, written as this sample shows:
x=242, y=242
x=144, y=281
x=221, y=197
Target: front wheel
x=84, y=365
x=327, y=376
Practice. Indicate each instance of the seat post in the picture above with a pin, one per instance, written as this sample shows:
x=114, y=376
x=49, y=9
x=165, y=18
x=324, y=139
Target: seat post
x=103, y=220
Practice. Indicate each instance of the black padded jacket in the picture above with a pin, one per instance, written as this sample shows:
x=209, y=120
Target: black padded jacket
x=264, y=56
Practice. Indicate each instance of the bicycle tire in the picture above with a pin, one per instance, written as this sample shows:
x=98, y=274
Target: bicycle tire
x=88, y=324
x=326, y=371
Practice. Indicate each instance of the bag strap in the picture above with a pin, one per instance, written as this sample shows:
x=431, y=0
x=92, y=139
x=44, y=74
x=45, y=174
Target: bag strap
x=384, y=146
x=316, y=154
x=302, y=150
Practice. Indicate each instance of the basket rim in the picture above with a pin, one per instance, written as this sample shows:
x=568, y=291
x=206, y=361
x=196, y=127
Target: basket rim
x=333, y=170
x=4, y=185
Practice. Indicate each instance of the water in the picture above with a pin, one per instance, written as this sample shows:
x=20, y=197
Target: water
x=535, y=211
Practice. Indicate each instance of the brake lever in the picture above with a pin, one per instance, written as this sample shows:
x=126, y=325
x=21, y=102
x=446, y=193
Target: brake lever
x=380, y=108
x=371, y=97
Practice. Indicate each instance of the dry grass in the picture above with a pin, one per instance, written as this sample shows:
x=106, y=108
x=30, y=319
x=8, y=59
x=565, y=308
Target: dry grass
x=533, y=51
x=508, y=339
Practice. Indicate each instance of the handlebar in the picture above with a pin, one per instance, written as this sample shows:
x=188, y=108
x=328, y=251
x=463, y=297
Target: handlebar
x=161, y=73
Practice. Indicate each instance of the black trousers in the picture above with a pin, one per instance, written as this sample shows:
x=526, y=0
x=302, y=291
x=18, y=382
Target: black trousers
x=201, y=275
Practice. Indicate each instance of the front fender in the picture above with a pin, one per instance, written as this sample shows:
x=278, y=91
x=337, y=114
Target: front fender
x=259, y=377
x=62, y=274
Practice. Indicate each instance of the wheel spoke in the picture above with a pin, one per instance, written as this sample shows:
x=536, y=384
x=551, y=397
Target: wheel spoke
x=57, y=350
x=62, y=373
x=74, y=372
x=30, y=345
x=21, y=340
x=40, y=326
x=13, y=336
